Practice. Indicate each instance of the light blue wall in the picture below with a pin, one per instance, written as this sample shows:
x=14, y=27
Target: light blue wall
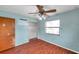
x=69, y=30
x=21, y=31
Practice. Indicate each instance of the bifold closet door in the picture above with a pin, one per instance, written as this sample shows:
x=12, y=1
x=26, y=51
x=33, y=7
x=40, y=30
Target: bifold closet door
x=7, y=33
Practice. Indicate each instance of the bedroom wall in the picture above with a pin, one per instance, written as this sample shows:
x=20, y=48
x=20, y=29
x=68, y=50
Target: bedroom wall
x=33, y=29
x=21, y=31
x=69, y=30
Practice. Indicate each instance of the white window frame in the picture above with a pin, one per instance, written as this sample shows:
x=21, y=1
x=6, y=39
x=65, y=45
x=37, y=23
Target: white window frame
x=52, y=27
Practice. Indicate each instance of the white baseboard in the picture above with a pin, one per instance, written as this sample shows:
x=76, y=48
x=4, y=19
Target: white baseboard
x=60, y=46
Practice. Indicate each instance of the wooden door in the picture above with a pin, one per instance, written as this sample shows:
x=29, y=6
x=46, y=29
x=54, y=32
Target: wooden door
x=7, y=33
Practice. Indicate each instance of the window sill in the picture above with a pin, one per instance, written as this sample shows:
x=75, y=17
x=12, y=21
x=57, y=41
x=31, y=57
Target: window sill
x=53, y=34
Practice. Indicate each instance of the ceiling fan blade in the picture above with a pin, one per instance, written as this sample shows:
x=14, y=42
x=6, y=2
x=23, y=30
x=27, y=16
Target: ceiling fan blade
x=49, y=11
x=40, y=8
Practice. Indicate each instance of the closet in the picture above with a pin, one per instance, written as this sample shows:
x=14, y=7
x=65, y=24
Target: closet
x=7, y=33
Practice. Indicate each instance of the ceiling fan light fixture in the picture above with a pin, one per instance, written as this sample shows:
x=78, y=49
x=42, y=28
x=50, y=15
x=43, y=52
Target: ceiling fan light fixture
x=41, y=17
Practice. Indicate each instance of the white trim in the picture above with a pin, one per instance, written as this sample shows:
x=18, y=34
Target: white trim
x=59, y=45
x=21, y=43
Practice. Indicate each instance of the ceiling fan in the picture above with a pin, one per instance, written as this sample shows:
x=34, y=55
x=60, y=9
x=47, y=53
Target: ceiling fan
x=41, y=12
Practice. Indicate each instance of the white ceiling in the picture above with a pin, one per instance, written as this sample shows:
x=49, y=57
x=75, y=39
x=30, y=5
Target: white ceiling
x=25, y=9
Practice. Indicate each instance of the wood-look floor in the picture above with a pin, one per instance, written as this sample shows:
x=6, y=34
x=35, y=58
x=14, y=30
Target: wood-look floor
x=37, y=46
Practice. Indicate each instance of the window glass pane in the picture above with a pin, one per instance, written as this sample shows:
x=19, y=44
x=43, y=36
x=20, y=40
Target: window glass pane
x=52, y=30
x=55, y=23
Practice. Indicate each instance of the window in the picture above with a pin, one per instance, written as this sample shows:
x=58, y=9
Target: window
x=52, y=27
